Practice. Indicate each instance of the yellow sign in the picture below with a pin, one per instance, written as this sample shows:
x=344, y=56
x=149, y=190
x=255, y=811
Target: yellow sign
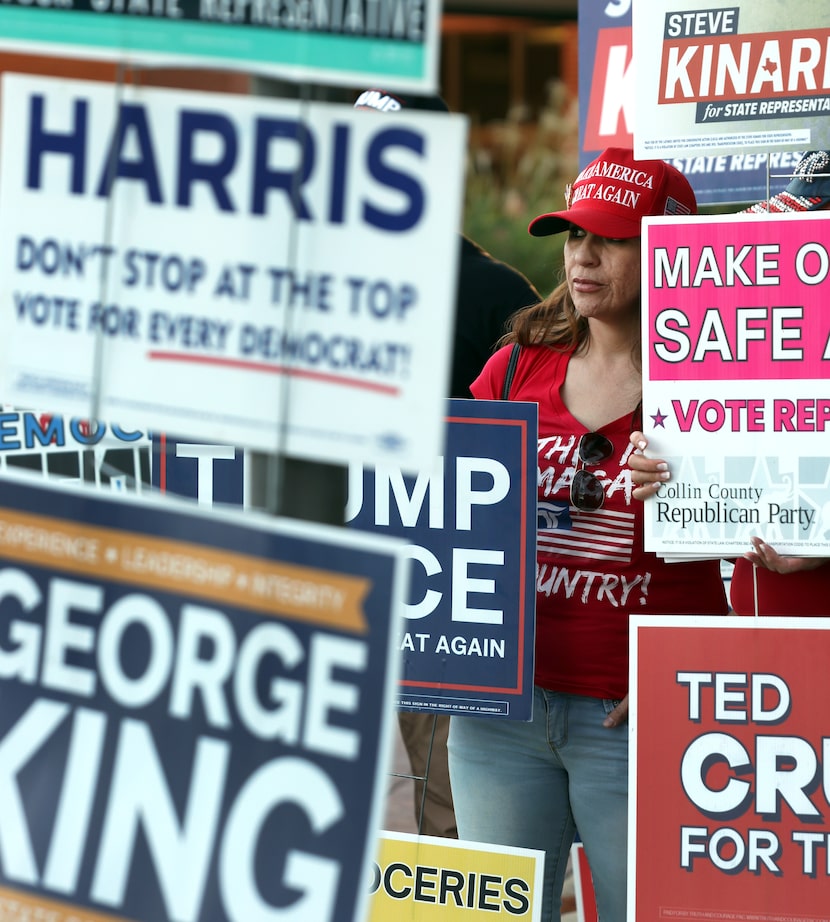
x=427, y=879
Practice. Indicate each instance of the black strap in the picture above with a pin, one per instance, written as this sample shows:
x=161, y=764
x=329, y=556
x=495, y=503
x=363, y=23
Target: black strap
x=511, y=368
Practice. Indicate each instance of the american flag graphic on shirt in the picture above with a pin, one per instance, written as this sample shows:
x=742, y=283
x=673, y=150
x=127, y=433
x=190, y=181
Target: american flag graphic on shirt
x=601, y=535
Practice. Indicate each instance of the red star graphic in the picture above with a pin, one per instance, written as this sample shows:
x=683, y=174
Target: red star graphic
x=659, y=420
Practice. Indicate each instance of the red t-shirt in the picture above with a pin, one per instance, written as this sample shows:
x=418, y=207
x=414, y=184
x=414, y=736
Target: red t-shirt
x=591, y=569
x=805, y=593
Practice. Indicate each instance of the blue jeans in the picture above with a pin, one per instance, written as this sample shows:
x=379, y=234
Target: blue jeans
x=534, y=784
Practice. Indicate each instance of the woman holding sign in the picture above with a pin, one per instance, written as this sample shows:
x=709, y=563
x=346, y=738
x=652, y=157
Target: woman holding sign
x=577, y=355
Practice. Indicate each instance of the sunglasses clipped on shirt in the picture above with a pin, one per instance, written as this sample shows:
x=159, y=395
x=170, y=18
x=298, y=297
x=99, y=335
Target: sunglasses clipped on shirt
x=587, y=492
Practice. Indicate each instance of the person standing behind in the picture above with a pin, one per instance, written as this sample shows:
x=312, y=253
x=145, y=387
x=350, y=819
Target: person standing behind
x=533, y=784
x=488, y=292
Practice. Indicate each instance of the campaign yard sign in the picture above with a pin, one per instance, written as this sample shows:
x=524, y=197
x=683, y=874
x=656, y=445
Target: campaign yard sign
x=82, y=450
x=431, y=879
x=730, y=76
x=235, y=270
x=210, y=474
x=735, y=389
x=386, y=42
x=729, y=795
x=607, y=92
x=195, y=713
x=586, y=900
x=470, y=522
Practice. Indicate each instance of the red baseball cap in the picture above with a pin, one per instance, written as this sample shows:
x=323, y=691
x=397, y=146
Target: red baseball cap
x=615, y=192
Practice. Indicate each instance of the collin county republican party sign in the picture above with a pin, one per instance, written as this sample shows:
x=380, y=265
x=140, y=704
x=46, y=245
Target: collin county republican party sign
x=736, y=394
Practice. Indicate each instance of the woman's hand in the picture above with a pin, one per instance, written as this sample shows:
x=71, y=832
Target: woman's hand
x=618, y=716
x=767, y=557
x=646, y=473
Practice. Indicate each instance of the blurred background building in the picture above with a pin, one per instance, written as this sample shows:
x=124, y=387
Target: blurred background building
x=512, y=69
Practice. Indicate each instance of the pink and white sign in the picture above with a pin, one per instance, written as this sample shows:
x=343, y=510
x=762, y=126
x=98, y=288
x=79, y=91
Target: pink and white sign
x=736, y=396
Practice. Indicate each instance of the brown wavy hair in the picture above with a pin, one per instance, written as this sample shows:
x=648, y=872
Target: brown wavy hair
x=554, y=322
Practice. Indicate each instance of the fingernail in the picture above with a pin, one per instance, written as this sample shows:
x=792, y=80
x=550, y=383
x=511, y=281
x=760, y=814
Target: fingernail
x=666, y=475
x=662, y=466
x=641, y=445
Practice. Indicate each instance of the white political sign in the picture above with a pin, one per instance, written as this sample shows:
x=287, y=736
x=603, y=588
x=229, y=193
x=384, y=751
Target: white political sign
x=255, y=271
x=730, y=77
x=342, y=42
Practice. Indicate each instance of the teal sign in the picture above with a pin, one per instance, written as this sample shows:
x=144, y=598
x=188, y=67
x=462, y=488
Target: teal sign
x=391, y=43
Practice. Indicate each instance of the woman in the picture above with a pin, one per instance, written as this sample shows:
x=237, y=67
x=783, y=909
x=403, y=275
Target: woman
x=535, y=784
